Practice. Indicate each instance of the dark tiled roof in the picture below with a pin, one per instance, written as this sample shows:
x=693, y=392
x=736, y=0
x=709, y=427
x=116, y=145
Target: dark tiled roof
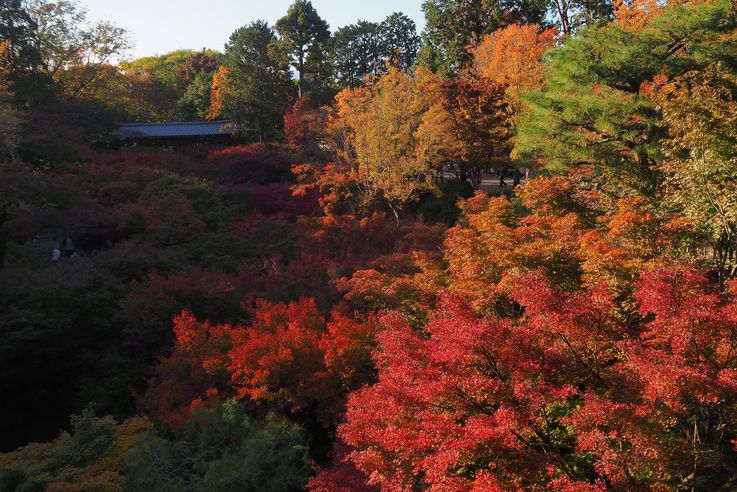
x=184, y=129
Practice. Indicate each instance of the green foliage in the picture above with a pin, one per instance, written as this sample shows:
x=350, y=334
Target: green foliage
x=305, y=37
x=90, y=457
x=400, y=39
x=224, y=449
x=18, y=29
x=365, y=48
x=357, y=52
x=572, y=15
x=454, y=25
x=221, y=449
x=65, y=317
x=195, y=102
x=444, y=208
x=592, y=109
x=226, y=251
x=172, y=85
x=205, y=201
x=259, y=81
x=165, y=69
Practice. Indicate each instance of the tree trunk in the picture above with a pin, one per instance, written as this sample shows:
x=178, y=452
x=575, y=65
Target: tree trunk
x=300, y=86
x=396, y=213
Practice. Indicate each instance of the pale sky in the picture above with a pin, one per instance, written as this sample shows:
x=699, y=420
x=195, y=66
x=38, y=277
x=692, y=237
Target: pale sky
x=160, y=26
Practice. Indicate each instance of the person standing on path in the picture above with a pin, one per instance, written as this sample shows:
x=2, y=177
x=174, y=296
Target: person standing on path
x=69, y=248
x=56, y=254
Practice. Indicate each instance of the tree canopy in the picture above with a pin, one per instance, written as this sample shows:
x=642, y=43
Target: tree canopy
x=258, y=81
x=348, y=296
x=305, y=37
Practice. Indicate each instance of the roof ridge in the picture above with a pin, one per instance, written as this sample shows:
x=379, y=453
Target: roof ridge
x=176, y=129
x=175, y=123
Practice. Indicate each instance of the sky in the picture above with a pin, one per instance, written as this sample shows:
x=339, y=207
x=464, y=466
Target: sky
x=161, y=26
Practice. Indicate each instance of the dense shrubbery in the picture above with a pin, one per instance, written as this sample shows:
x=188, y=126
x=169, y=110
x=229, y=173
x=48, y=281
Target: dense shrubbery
x=152, y=241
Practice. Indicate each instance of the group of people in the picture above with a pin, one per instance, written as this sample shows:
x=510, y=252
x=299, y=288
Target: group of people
x=501, y=173
x=516, y=174
x=63, y=249
x=476, y=176
x=67, y=248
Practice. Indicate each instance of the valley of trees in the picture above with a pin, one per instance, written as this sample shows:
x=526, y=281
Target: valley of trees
x=330, y=304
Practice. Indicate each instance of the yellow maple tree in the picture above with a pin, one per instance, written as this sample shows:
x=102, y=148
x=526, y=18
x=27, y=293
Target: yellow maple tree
x=393, y=133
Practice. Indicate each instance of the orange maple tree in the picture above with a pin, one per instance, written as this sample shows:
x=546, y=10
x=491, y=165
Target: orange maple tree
x=512, y=56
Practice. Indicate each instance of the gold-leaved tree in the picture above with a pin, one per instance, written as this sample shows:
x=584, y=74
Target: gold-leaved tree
x=393, y=134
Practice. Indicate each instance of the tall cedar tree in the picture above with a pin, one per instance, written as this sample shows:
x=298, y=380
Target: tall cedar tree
x=305, y=36
x=400, y=39
x=258, y=85
x=365, y=48
x=356, y=53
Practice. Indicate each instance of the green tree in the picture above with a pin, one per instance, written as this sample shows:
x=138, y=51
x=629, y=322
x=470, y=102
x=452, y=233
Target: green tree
x=90, y=457
x=594, y=109
x=21, y=59
x=258, y=82
x=73, y=51
x=224, y=449
x=166, y=70
x=18, y=29
x=364, y=48
x=158, y=83
x=400, y=39
x=570, y=15
x=452, y=26
x=195, y=103
x=305, y=36
x=356, y=52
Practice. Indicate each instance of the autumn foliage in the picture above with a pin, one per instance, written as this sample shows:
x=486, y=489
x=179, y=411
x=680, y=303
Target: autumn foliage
x=391, y=135
x=217, y=93
x=554, y=397
x=288, y=357
x=512, y=57
x=481, y=122
x=304, y=124
x=341, y=310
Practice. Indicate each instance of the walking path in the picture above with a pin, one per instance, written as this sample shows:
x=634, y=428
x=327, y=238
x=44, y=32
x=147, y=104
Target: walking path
x=490, y=184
